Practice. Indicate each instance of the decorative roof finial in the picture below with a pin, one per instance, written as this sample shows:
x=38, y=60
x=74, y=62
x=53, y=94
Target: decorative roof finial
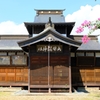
x=49, y=23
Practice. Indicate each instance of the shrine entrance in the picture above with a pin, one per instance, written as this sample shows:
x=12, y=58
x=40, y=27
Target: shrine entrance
x=52, y=76
x=49, y=68
x=49, y=61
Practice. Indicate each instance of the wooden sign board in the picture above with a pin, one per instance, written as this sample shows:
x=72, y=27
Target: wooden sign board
x=51, y=48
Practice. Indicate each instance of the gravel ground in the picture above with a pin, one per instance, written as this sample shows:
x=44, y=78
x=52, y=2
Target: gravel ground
x=18, y=94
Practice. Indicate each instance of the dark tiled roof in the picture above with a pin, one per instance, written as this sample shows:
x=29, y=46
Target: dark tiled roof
x=45, y=18
x=49, y=31
x=55, y=23
x=30, y=25
x=9, y=45
x=91, y=45
x=43, y=15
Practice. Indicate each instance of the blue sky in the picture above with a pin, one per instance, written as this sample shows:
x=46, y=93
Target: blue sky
x=20, y=11
x=13, y=13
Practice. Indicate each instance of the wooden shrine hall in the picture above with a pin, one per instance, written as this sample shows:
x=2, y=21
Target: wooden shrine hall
x=49, y=59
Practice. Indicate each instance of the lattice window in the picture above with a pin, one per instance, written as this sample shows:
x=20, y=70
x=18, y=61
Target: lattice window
x=98, y=54
x=20, y=53
x=3, y=53
x=79, y=54
x=4, y=60
x=19, y=60
x=72, y=54
x=11, y=53
x=89, y=54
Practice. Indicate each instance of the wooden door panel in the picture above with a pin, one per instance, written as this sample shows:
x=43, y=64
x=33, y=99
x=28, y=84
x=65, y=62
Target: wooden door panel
x=58, y=70
x=39, y=70
x=39, y=74
x=61, y=77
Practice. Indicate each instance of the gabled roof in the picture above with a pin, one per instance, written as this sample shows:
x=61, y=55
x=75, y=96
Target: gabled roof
x=44, y=35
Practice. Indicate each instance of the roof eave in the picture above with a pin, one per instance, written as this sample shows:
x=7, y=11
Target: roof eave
x=40, y=37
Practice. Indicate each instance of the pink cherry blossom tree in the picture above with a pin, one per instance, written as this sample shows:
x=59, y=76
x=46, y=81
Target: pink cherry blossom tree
x=91, y=25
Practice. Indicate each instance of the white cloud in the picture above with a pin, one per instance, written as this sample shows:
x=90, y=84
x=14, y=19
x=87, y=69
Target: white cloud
x=84, y=13
x=10, y=28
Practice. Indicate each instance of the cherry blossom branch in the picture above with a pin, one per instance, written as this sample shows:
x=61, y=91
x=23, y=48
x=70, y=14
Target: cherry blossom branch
x=91, y=25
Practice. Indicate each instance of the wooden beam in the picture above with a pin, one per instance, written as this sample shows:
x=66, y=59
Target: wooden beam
x=29, y=72
x=50, y=86
x=70, y=81
x=13, y=84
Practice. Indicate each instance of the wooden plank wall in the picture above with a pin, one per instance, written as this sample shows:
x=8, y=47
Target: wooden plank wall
x=86, y=71
x=13, y=74
x=88, y=76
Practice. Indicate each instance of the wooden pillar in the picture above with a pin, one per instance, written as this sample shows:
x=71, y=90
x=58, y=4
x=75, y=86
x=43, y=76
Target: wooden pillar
x=49, y=89
x=29, y=71
x=70, y=80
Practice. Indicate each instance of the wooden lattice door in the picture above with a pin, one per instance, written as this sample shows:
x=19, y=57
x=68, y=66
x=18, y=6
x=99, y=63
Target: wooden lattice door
x=38, y=71
x=57, y=73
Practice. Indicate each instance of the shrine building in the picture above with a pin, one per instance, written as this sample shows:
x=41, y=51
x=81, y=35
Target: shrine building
x=49, y=58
